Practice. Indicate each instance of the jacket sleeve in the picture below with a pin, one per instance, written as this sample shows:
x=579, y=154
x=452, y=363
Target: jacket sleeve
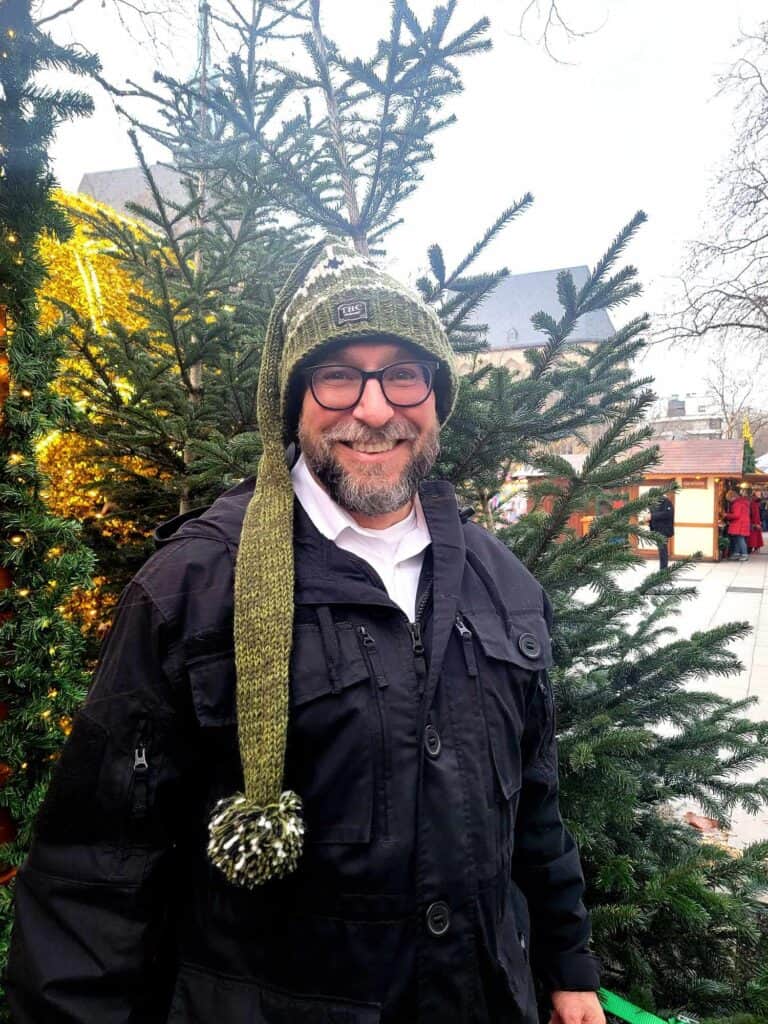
x=663, y=518
x=87, y=942
x=546, y=863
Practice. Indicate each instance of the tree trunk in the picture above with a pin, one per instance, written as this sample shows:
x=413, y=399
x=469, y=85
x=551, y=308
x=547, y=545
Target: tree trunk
x=359, y=236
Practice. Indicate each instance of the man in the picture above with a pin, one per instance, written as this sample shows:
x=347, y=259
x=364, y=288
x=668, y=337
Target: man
x=663, y=522
x=315, y=779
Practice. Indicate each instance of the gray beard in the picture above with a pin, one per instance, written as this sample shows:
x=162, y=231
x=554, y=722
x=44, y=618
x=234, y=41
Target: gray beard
x=368, y=494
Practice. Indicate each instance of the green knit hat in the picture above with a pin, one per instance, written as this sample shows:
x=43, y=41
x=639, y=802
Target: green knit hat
x=333, y=294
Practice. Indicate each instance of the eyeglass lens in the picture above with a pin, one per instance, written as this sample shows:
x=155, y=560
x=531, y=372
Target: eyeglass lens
x=340, y=387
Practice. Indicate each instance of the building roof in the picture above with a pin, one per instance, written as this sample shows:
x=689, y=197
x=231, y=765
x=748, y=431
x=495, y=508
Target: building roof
x=116, y=188
x=509, y=308
x=704, y=457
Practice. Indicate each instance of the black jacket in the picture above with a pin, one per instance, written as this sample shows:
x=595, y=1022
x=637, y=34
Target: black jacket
x=435, y=865
x=663, y=518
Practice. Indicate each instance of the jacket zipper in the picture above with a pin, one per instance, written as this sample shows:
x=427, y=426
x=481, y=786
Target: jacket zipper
x=140, y=795
x=373, y=661
x=467, y=646
x=417, y=642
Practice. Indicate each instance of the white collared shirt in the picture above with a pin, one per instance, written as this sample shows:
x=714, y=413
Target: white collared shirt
x=396, y=553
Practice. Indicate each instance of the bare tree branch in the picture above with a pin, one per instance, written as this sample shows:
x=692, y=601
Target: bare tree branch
x=553, y=24
x=58, y=14
x=724, y=286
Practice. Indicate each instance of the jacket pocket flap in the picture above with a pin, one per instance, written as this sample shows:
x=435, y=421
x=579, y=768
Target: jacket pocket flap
x=526, y=643
x=212, y=679
x=312, y=674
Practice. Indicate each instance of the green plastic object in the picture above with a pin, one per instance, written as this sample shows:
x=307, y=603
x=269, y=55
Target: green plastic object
x=624, y=1010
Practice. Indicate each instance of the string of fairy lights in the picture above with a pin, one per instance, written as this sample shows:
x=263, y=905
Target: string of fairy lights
x=82, y=275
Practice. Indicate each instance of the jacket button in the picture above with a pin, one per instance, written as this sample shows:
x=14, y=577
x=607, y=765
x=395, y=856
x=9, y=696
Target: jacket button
x=432, y=741
x=438, y=918
x=529, y=645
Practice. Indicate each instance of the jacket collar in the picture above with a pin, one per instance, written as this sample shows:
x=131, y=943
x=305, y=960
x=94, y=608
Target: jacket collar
x=325, y=574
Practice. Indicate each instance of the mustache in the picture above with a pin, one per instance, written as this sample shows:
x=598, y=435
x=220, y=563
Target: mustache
x=360, y=433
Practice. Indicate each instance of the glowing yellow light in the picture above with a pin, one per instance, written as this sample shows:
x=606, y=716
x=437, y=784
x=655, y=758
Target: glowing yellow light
x=17, y=539
x=23, y=593
x=46, y=714
x=23, y=766
x=25, y=393
x=11, y=33
x=15, y=458
x=52, y=584
x=12, y=238
x=52, y=694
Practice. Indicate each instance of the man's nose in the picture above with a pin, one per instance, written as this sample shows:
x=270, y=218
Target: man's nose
x=373, y=408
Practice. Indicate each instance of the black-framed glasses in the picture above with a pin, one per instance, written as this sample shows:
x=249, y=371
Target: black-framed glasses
x=336, y=386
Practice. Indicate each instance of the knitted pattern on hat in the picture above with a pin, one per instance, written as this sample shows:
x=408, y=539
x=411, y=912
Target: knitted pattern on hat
x=331, y=295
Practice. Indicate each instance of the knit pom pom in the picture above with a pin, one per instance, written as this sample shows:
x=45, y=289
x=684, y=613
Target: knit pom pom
x=252, y=844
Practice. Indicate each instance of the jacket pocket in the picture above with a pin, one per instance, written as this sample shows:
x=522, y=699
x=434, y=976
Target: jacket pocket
x=212, y=680
x=202, y=997
x=508, y=658
x=72, y=810
x=335, y=738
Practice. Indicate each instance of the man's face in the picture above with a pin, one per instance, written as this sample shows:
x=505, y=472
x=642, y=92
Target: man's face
x=339, y=446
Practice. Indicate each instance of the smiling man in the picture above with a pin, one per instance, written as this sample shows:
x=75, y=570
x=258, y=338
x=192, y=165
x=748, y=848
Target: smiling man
x=315, y=779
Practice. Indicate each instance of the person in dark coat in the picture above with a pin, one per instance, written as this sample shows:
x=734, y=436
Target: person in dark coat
x=738, y=517
x=663, y=521
x=315, y=779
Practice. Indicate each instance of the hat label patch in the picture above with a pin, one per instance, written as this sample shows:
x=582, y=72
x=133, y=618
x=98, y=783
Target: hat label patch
x=352, y=312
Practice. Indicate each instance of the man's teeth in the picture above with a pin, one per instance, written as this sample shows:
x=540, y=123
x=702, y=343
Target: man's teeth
x=372, y=449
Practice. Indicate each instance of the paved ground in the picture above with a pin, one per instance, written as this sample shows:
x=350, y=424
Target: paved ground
x=730, y=591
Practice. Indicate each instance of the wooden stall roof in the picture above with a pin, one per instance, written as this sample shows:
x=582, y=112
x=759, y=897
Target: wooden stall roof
x=704, y=457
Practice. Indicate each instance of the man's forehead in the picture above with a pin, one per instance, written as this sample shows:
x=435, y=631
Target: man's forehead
x=368, y=353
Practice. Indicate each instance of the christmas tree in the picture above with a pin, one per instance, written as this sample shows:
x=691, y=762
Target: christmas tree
x=679, y=924
x=749, y=450
x=42, y=558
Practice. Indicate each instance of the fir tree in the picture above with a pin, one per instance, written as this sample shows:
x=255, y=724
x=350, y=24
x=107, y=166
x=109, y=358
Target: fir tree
x=679, y=924
x=180, y=394
x=41, y=557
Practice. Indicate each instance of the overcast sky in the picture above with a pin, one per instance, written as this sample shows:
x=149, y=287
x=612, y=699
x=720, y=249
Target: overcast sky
x=631, y=121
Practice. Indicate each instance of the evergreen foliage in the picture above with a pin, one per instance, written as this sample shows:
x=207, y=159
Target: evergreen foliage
x=179, y=394
x=42, y=679
x=679, y=924
x=748, y=464
x=321, y=142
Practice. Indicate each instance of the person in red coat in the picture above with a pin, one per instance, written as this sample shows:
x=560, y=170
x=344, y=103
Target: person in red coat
x=755, y=539
x=739, y=524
